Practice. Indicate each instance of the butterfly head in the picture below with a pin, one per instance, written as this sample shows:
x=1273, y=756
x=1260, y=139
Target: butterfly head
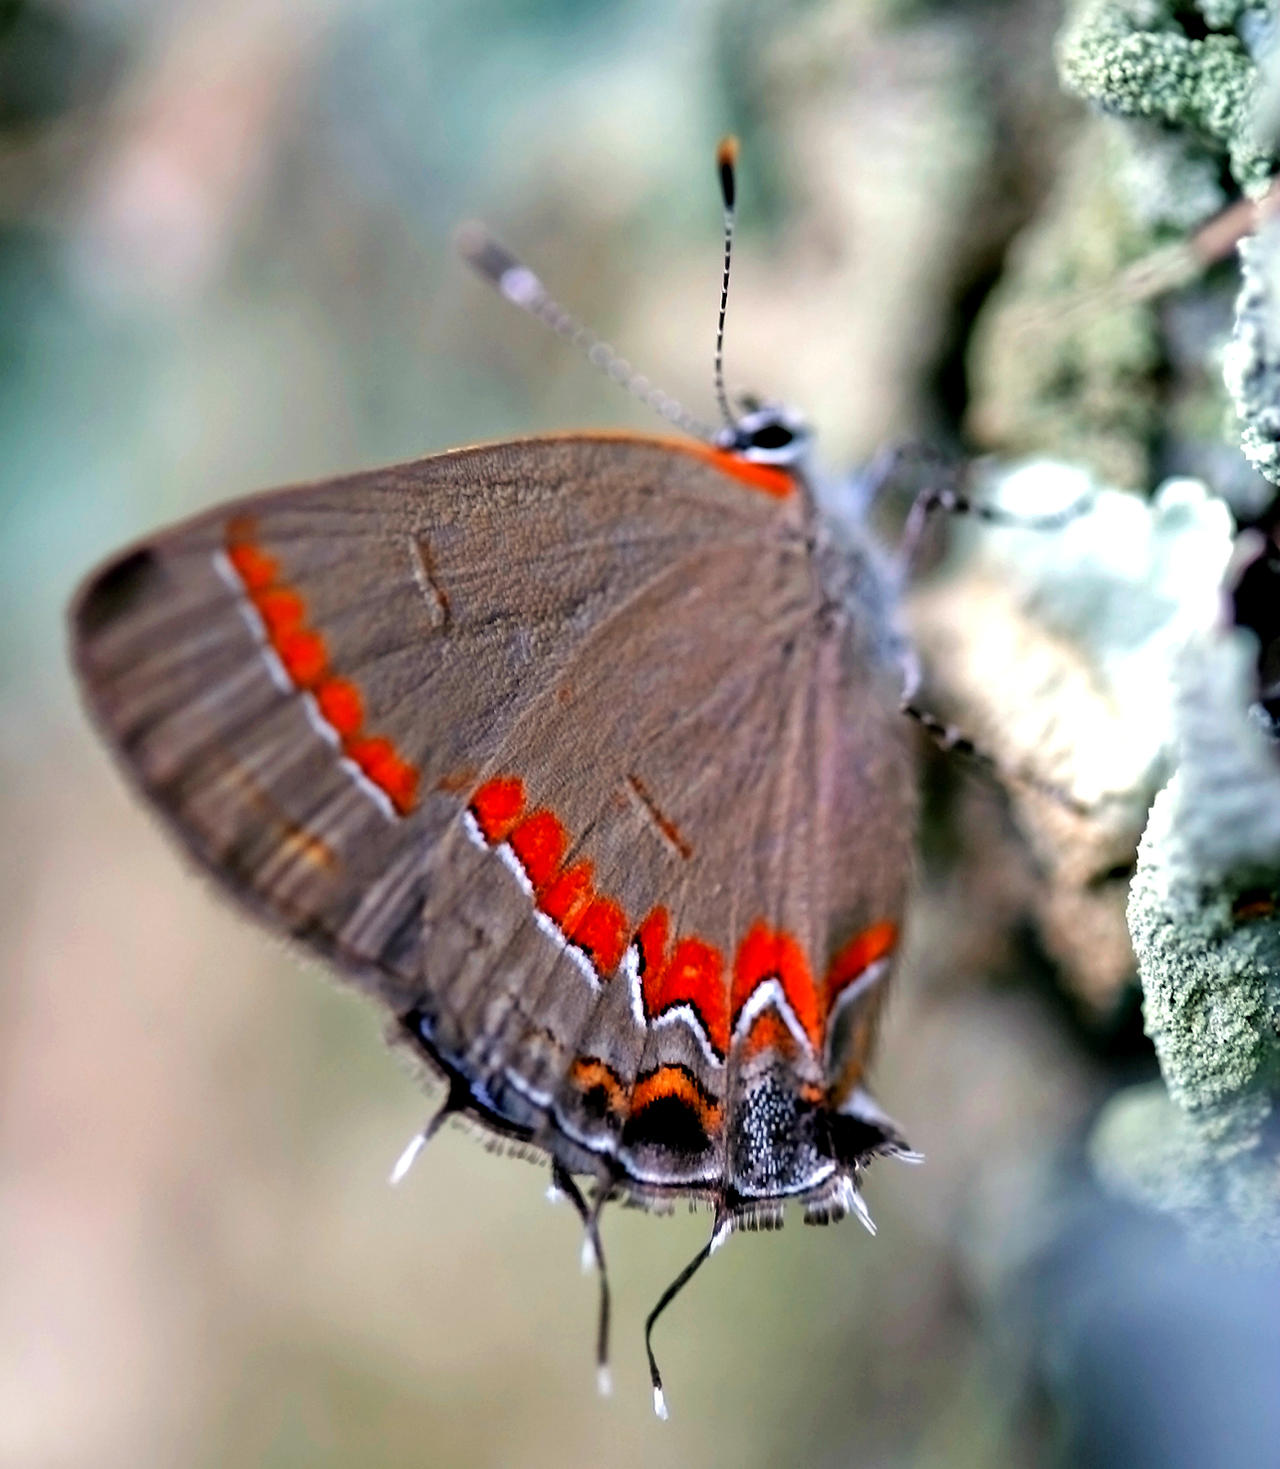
x=767, y=433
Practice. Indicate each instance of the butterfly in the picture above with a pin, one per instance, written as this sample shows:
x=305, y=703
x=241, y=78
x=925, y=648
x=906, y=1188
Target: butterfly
x=584, y=757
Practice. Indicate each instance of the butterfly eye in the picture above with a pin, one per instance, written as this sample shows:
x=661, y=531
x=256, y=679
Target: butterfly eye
x=769, y=434
x=772, y=436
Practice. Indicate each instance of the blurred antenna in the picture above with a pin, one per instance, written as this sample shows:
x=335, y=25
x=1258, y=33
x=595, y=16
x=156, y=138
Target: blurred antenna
x=497, y=265
x=514, y=280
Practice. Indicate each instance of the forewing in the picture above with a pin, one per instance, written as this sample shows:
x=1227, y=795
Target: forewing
x=309, y=684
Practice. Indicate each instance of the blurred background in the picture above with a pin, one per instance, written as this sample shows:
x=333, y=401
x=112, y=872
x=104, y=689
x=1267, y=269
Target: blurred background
x=225, y=263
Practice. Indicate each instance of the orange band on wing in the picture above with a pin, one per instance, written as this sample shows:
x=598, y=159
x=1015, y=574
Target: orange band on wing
x=676, y=1082
x=497, y=805
x=342, y=706
x=673, y=970
x=255, y=568
x=858, y=955
x=589, y=1073
x=594, y=923
x=602, y=933
x=567, y=896
x=304, y=656
x=651, y=945
x=767, y=477
x=379, y=760
x=540, y=842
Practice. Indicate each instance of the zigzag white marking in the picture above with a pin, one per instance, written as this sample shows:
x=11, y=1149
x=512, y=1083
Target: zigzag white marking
x=318, y=722
x=583, y=960
x=253, y=619
x=668, y=1175
x=530, y=1093
x=544, y=921
x=685, y=1014
x=548, y=926
x=868, y=979
x=579, y=956
x=770, y=992
x=823, y=1171
x=592, y=1144
x=375, y=793
x=472, y=828
x=515, y=867
x=222, y=565
x=631, y=969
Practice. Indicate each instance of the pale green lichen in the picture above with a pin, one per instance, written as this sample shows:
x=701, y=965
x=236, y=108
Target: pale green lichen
x=1251, y=362
x=1202, y=916
x=1170, y=181
x=1147, y=1149
x=1135, y=59
x=1062, y=361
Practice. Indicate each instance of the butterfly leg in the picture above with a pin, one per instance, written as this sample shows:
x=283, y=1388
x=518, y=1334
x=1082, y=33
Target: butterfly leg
x=953, y=740
x=592, y=1253
x=945, y=736
x=947, y=496
x=719, y=1233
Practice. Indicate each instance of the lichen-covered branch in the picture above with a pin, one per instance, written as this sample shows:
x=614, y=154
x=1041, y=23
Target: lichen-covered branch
x=1140, y=59
x=1202, y=916
x=1065, y=359
x=1252, y=360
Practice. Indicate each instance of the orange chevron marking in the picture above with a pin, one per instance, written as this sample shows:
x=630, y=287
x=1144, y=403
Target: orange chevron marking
x=694, y=975
x=674, y=970
x=857, y=956
x=651, y=940
x=568, y=896
x=342, y=706
x=540, y=842
x=588, y=1073
x=767, y=953
x=769, y=1032
x=602, y=933
x=304, y=656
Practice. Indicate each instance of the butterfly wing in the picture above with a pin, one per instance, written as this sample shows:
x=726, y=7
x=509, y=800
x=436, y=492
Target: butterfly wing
x=306, y=682
x=525, y=739
x=728, y=805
